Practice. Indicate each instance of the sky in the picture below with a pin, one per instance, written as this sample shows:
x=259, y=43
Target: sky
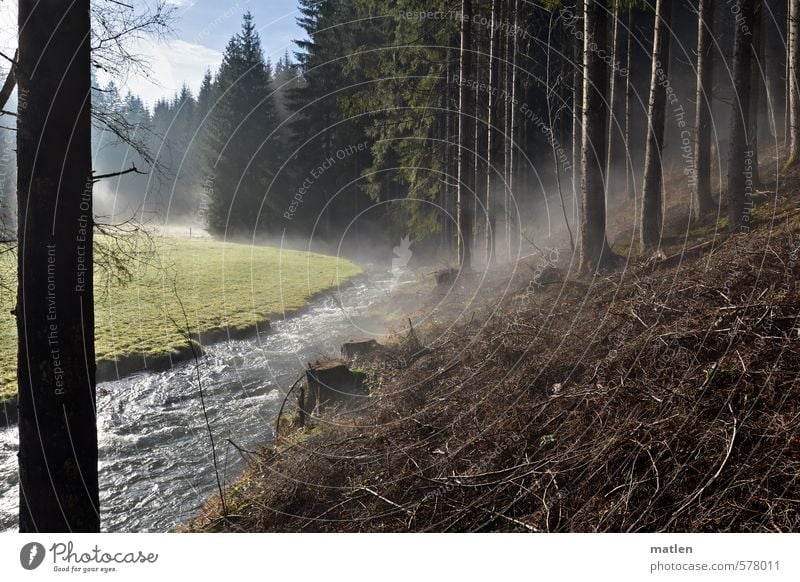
x=200, y=32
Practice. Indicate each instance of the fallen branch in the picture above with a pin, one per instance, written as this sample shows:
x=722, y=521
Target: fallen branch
x=713, y=478
x=382, y=498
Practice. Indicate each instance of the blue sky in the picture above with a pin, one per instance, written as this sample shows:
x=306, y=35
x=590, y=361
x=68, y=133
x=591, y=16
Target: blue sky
x=201, y=31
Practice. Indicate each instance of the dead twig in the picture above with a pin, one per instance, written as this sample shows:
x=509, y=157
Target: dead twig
x=285, y=398
x=713, y=478
x=385, y=500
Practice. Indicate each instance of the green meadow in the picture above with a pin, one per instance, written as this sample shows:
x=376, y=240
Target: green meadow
x=215, y=284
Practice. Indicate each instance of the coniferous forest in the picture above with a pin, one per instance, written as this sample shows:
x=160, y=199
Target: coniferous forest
x=382, y=87
x=440, y=266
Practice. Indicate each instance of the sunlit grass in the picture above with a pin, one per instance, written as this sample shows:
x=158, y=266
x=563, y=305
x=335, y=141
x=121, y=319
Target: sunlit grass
x=219, y=284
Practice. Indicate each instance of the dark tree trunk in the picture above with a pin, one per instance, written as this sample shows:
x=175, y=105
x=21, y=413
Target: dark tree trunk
x=629, y=186
x=739, y=162
x=477, y=140
x=702, y=201
x=452, y=158
x=444, y=184
x=512, y=131
x=491, y=119
x=756, y=69
x=466, y=147
x=506, y=128
x=787, y=75
x=616, y=125
x=577, y=115
x=55, y=309
x=553, y=125
x=652, y=197
x=593, y=246
x=775, y=63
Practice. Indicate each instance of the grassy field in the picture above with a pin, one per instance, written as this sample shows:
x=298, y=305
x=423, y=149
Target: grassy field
x=219, y=285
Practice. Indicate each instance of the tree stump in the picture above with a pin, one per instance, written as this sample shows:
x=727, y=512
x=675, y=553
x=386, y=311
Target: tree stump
x=331, y=382
x=361, y=347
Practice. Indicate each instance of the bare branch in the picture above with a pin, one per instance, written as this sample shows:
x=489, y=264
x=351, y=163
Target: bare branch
x=132, y=169
x=120, y=3
x=115, y=28
x=8, y=86
x=133, y=135
x=9, y=59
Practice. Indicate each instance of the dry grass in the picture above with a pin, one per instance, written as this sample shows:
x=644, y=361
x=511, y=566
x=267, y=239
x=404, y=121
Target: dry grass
x=662, y=397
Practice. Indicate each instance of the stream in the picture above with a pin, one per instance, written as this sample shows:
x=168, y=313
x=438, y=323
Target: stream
x=156, y=468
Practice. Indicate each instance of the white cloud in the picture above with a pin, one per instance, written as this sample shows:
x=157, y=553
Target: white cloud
x=171, y=64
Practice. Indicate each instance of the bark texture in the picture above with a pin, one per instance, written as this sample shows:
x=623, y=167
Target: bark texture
x=702, y=202
x=593, y=246
x=466, y=147
x=55, y=311
x=739, y=170
x=652, y=196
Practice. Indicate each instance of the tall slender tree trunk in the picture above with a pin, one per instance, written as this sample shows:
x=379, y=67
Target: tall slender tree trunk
x=756, y=69
x=447, y=216
x=577, y=113
x=629, y=185
x=512, y=128
x=553, y=136
x=787, y=77
x=739, y=162
x=594, y=250
x=652, y=197
x=793, y=60
x=775, y=63
x=55, y=307
x=616, y=123
x=702, y=201
x=466, y=149
x=506, y=93
x=491, y=203
x=444, y=184
x=478, y=111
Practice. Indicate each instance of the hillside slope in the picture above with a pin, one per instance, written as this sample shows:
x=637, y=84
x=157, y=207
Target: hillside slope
x=660, y=397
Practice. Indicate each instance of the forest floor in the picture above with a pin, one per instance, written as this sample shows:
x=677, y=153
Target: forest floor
x=661, y=396
x=178, y=283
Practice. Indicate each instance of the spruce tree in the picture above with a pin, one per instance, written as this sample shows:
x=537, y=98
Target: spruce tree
x=241, y=155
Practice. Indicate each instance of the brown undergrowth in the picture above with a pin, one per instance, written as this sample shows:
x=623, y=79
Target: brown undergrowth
x=660, y=397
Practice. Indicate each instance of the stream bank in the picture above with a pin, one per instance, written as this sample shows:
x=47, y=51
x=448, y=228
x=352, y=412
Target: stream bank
x=155, y=459
x=136, y=363
x=661, y=397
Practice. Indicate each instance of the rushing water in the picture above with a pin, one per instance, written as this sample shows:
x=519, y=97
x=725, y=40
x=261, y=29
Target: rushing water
x=155, y=457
